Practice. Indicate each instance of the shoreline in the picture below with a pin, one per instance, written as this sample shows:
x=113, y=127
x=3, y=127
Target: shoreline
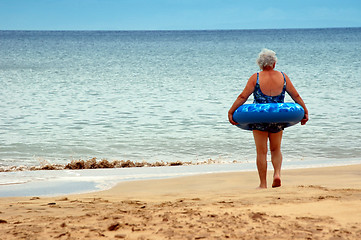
x=317, y=203
x=47, y=183
x=240, y=180
x=61, y=182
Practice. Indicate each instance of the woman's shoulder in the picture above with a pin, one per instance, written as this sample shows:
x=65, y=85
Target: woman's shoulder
x=286, y=77
x=254, y=75
x=253, y=78
x=283, y=73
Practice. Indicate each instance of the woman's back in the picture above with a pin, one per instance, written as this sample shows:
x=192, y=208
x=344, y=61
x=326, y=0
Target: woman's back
x=271, y=82
x=270, y=87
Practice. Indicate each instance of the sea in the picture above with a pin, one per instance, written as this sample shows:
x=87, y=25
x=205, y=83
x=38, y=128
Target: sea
x=163, y=96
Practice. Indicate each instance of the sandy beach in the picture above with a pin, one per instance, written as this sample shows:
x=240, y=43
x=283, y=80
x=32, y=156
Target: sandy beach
x=321, y=203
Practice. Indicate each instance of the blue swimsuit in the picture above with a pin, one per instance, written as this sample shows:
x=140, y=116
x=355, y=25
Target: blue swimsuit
x=260, y=97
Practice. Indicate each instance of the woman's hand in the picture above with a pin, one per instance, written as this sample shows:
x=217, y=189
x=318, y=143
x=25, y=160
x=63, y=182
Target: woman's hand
x=305, y=119
x=230, y=118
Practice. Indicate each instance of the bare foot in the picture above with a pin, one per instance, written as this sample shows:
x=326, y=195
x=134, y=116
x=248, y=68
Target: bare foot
x=276, y=182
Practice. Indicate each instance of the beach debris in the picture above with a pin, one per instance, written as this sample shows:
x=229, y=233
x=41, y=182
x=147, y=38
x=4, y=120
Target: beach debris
x=114, y=226
x=126, y=164
x=52, y=167
x=177, y=163
x=120, y=236
x=63, y=234
x=257, y=216
x=3, y=221
x=79, y=164
x=201, y=237
x=105, y=164
x=92, y=163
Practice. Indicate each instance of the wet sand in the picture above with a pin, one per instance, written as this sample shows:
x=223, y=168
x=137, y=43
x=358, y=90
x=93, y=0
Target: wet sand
x=322, y=203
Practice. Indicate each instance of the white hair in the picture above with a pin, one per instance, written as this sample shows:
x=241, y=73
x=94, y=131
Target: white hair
x=266, y=58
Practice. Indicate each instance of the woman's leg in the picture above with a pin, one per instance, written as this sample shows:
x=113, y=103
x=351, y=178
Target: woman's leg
x=260, y=139
x=276, y=156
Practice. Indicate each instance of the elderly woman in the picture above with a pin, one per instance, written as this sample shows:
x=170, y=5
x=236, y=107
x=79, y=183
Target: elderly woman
x=268, y=86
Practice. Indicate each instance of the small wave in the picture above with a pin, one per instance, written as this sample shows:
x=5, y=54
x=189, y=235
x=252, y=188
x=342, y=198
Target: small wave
x=13, y=182
x=104, y=163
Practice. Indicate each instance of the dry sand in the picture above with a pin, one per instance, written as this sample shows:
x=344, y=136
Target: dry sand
x=323, y=203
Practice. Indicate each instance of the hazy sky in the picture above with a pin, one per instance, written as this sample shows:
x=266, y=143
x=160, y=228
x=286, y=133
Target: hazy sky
x=177, y=14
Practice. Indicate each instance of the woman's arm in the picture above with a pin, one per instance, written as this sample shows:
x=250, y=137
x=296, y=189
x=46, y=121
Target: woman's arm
x=242, y=98
x=291, y=90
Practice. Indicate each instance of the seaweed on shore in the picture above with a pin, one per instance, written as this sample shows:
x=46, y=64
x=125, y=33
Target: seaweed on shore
x=89, y=164
x=104, y=163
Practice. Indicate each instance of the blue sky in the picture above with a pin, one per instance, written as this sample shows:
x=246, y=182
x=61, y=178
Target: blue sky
x=177, y=14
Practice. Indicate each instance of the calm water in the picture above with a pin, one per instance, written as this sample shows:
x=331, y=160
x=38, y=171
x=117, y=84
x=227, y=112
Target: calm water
x=156, y=96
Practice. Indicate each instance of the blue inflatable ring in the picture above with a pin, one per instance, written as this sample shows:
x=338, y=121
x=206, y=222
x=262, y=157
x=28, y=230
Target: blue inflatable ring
x=286, y=113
